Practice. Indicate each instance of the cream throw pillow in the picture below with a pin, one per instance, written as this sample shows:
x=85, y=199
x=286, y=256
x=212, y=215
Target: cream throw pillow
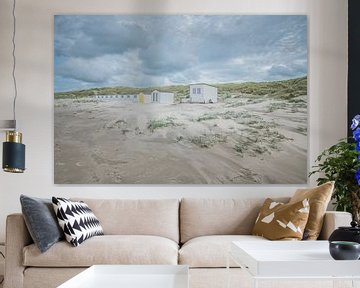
x=279, y=221
x=319, y=198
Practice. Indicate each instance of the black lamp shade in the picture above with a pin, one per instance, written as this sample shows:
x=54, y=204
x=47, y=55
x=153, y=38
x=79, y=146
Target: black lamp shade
x=13, y=157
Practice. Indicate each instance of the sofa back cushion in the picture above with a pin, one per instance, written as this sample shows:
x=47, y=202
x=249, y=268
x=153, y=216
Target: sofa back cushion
x=158, y=217
x=200, y=217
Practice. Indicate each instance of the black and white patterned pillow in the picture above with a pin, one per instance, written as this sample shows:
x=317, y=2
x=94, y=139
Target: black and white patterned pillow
x=77, y=220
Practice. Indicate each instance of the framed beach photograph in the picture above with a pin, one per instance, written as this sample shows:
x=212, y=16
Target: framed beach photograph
x=180, y=99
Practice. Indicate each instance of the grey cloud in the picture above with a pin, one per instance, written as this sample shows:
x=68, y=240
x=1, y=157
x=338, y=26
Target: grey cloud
x=287, y=71
x=95, y=71
x=153, y=50
x=95, y=36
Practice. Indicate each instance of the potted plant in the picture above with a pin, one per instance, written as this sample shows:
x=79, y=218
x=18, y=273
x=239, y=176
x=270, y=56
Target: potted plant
x=341, y=163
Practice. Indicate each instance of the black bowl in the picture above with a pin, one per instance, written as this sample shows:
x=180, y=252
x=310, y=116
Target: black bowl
x=344, y=250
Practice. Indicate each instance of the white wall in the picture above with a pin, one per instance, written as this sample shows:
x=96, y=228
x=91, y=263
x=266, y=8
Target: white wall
x=327, y=84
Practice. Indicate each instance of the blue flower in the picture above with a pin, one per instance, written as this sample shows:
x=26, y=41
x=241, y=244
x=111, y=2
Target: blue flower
x=355, y=122
x=357, y=176
x=356, y=134
x=355, y=126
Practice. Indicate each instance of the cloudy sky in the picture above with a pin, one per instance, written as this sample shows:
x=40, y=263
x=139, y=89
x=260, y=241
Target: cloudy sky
x=143, y=51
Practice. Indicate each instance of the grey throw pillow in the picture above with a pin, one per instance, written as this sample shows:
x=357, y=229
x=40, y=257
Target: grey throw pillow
x=41, y=221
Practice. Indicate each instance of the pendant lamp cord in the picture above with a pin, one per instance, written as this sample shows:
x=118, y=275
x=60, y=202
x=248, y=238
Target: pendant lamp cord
x=14, y=61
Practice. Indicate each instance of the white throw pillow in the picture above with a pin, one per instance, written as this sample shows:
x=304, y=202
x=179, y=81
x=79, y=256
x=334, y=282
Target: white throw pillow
x=76, y=220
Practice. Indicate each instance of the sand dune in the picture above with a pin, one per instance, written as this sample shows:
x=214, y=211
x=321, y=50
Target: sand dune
x=240, y=141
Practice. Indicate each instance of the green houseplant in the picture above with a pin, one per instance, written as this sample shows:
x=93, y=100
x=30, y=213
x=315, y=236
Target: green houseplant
x=341, y=163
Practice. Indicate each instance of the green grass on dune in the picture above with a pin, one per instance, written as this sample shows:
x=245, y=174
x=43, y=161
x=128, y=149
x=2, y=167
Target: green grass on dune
x=286, y=89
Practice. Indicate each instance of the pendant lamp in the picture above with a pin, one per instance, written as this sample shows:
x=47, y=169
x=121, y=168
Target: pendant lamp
x=13, y=149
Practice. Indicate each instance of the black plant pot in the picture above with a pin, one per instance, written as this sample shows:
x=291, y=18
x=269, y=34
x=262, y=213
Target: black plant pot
x=343, y=250
x=351, y=234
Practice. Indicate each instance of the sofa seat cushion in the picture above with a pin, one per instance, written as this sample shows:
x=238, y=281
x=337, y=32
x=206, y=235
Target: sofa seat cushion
x=211, y=251
x=107, y=249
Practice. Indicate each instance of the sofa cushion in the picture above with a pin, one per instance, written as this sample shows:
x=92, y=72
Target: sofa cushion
x=201, y=217
x=35, y=277
x=158, y=217
x=319, y=198
x=41, y=221
x=107, y=249
x=279, y=221
x=211, y=251
x=77, y=220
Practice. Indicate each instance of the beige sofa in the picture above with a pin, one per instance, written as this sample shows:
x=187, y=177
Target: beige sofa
x=194, y=232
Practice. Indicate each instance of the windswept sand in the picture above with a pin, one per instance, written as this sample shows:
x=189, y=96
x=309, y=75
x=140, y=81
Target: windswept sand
x=242, y=141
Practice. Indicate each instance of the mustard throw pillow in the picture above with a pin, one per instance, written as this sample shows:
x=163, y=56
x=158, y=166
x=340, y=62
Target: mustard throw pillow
x=319, y=198
x=279, y=221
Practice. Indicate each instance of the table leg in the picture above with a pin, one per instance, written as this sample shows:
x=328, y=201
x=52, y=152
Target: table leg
x=355, y=283
x=255, y=283
x=344, y=283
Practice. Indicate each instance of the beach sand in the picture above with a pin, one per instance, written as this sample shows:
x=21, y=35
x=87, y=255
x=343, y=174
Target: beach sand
x=244, y=140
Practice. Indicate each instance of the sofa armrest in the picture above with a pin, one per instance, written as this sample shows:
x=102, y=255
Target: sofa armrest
x=333, y=220
x=17, y=237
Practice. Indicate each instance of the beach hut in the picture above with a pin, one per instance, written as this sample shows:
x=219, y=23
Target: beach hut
x=162, y=97
x=103, y=97
x=144, y=98
x=203, y=93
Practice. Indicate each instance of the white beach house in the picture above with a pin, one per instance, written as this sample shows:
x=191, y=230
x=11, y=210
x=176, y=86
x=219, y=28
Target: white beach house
x=162, y=97
x=203, y=93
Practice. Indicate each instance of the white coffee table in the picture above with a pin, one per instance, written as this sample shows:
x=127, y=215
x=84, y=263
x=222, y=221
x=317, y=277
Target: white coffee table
x=297, y=260
x=131, y=276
